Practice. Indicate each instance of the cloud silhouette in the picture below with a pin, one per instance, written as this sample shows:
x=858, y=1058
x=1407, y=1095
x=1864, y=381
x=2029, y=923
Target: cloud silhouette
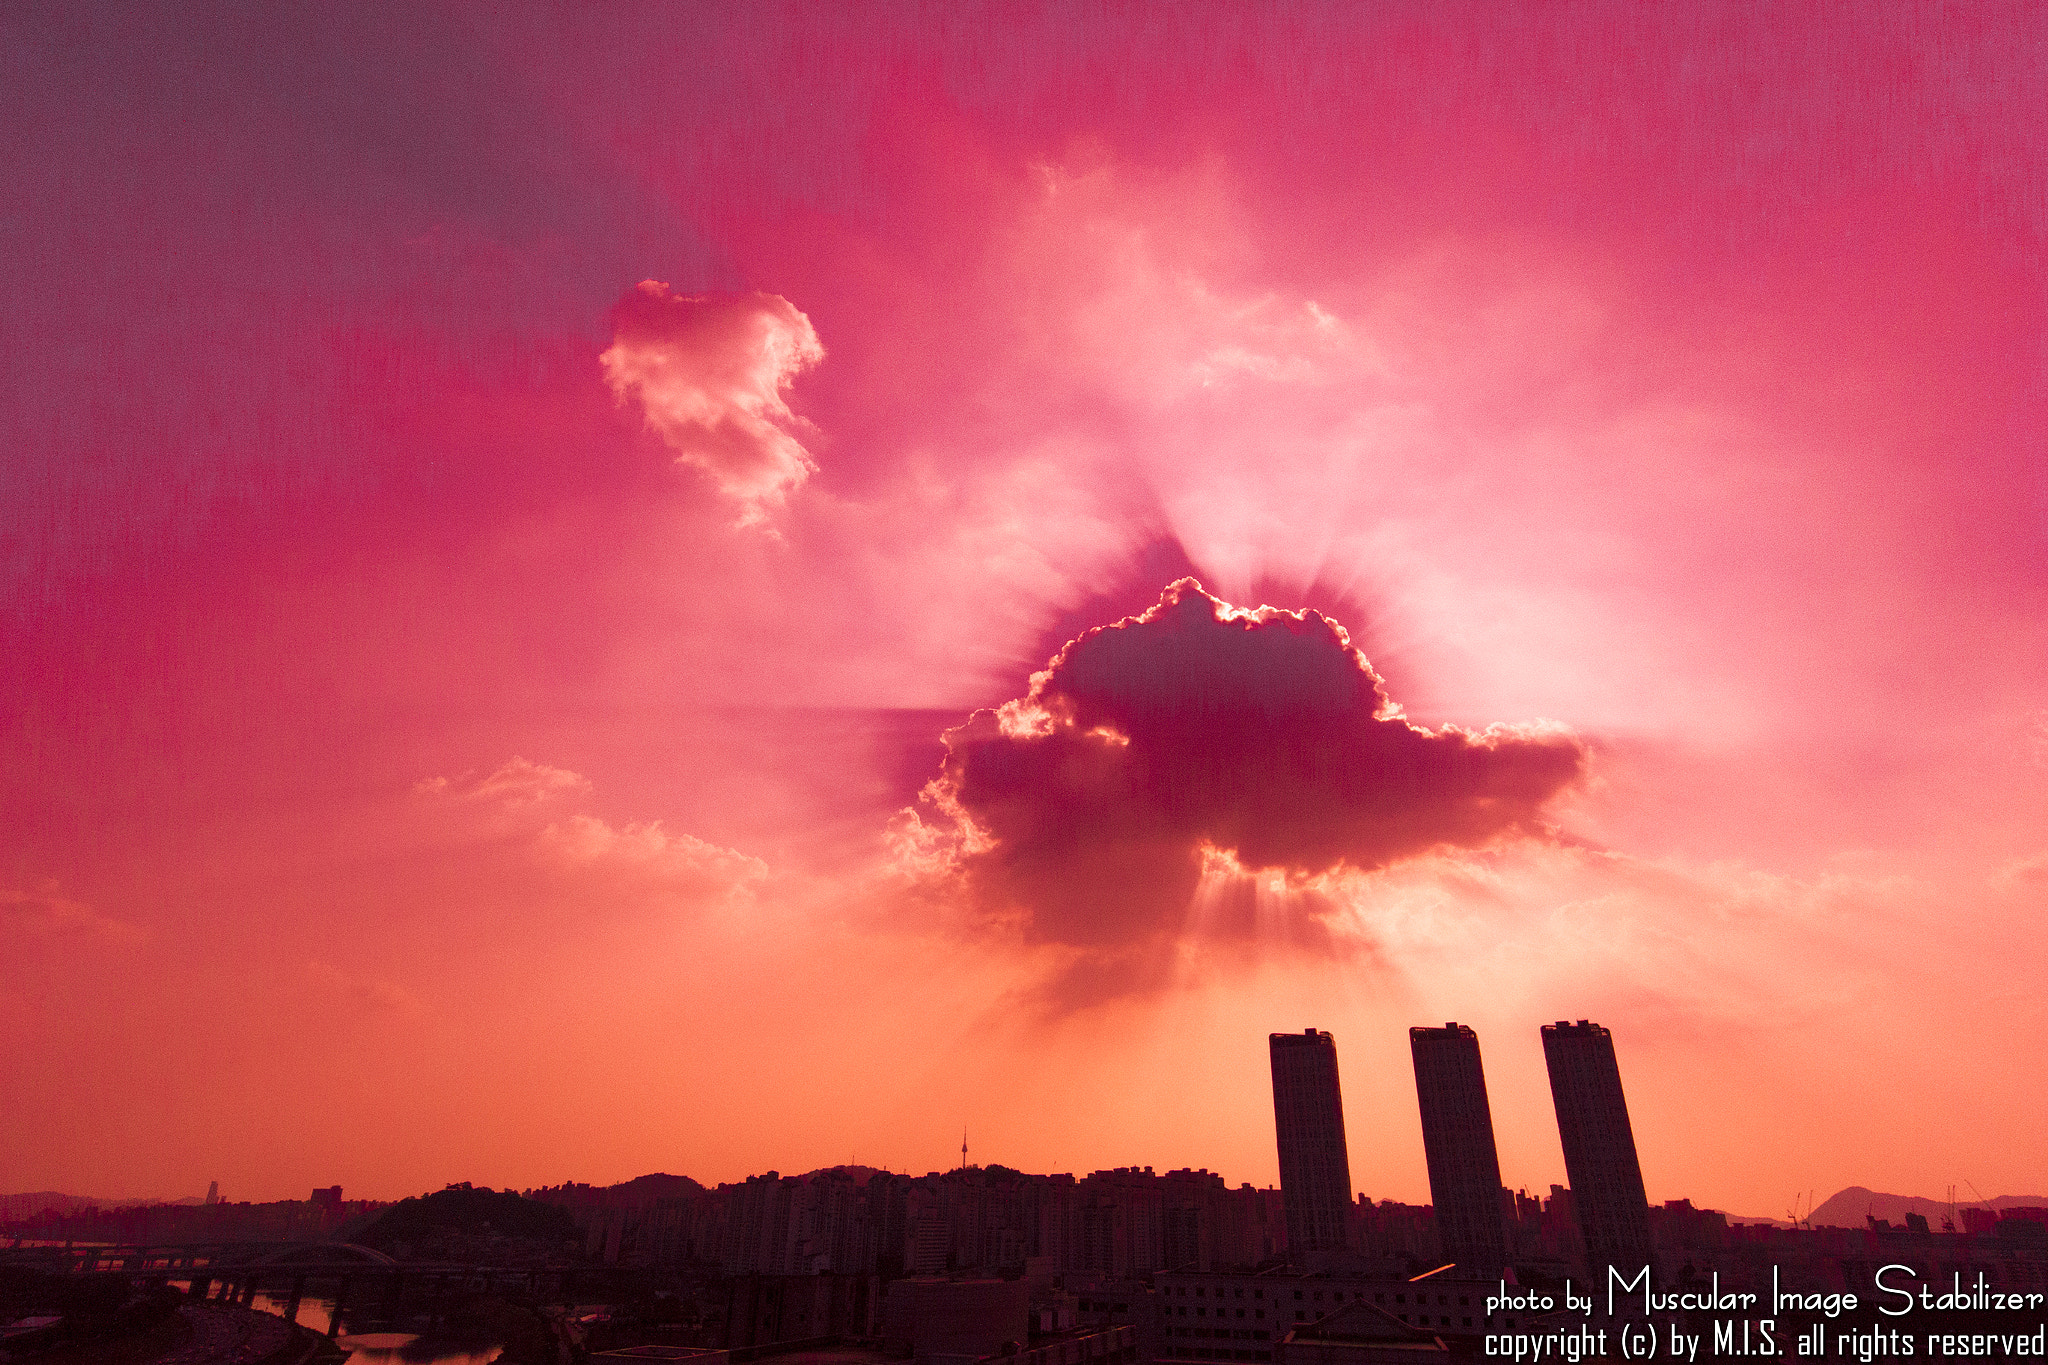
x=1200, y=735
x=709, y=371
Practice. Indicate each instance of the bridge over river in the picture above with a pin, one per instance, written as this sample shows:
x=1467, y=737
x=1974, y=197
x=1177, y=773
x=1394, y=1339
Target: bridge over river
x=356, y=1277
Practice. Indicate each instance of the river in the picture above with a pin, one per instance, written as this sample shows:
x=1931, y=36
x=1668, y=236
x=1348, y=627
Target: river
x=368, y=1347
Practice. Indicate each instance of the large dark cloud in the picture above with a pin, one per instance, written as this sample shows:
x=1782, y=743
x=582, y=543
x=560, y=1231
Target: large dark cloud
x=1087, y=806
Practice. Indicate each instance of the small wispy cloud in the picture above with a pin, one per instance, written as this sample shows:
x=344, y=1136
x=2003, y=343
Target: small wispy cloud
x=373, y=993
x=709, y=370
x=519, y=782
x=646, y=858
x=44, y=914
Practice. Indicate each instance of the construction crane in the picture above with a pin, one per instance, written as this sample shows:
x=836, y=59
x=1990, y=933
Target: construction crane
x=1981, y=1200
x=1797, y=1219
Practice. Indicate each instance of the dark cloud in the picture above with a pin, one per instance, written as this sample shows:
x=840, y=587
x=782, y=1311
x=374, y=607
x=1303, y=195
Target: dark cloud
x=1194, y=729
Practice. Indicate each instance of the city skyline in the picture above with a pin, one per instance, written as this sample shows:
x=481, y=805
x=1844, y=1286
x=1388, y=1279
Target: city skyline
x=1311, y=1140
x=589, y=591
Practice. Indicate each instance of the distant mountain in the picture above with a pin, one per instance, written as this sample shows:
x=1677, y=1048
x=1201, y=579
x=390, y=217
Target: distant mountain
x=1753, y=1220
x=15, y=1207
x=1855, y=1205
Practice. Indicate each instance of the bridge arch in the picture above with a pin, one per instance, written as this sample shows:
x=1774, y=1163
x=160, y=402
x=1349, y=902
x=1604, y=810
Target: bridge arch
x=319, y=1256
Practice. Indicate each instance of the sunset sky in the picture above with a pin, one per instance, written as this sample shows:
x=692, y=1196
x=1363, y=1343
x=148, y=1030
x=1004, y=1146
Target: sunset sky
x=526, y=536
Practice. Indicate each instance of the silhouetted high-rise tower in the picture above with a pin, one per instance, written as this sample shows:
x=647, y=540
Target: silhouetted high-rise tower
x=1308, y=1120
x=1457, y=1138
x=1599, y=1146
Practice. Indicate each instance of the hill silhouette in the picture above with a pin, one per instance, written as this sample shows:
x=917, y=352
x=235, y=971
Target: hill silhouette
x=1851, y=1208
x=641, y=1192
x=860, y=1174
x=460, y=1219
x=649, y=1188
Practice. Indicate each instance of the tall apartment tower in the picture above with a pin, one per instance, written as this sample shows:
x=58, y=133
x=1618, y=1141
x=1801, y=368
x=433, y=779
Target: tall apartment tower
x=1599, y=1145
x=1308, y=1120
x=1457, y=1138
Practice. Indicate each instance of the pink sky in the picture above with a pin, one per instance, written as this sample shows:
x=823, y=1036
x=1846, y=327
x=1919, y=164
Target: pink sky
x=502, y=513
